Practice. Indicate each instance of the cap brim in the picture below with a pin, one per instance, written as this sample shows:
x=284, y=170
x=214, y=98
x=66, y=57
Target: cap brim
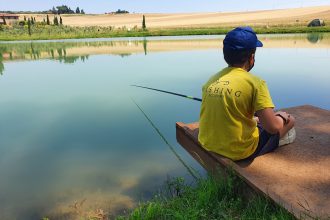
x=259, y=44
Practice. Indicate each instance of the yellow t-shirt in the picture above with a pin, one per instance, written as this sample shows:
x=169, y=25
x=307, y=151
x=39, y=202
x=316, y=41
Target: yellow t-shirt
x=230, y=99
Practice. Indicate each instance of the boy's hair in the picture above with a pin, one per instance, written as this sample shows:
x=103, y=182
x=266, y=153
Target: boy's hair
x=233, y=57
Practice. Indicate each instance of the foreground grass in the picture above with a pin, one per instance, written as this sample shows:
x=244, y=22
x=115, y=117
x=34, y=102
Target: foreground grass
x=48, y=32
x=210, y=198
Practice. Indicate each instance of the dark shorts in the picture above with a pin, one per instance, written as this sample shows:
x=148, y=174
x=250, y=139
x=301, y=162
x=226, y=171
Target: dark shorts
x=267, y=143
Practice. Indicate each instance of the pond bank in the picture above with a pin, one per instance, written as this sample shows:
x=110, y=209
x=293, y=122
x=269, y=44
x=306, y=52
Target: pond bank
x=211, y=198
x=50, y=32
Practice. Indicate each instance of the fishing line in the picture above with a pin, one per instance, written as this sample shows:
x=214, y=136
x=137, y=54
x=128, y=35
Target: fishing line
x=189, y=169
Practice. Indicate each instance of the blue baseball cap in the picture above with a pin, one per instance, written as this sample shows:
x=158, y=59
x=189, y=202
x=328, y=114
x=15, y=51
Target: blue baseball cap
x=241, y=38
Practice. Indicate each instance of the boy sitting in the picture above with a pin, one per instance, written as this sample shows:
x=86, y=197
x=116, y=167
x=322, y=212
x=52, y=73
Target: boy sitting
x=232, y=97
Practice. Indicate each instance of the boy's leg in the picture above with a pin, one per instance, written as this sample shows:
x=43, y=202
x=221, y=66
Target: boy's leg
x=269, y=142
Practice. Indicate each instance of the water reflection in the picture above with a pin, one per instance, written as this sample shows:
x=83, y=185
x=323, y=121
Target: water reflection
x=315, y=38
x=145, y=46
x=70, y=51
x=65, y=52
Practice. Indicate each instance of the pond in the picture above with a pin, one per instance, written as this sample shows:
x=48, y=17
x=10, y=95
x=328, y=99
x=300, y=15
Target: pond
x=71, y=138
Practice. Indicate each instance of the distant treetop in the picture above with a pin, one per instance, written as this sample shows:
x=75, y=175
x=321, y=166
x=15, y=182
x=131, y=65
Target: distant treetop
x=119, y=11
x=64, y=9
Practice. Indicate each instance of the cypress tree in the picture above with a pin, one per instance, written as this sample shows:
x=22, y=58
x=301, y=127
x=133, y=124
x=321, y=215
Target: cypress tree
x=48, y=23
x=34, y=18
x=29, y=26
x=144, y=23
x=61, y=21
x=77, y=10
x=32, y=21
x=82, y=11
x=24, y=18
x=4, y=21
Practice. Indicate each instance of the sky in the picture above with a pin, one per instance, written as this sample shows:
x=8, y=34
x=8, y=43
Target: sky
x=161, y=6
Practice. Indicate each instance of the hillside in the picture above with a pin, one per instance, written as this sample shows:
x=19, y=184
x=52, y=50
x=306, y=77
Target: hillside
x=267, y=17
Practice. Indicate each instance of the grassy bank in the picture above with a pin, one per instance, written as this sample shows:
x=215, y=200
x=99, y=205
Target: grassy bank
x=48, y=32
x=210, y=198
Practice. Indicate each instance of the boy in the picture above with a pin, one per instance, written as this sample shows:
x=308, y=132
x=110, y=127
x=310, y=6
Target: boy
x=232, y=97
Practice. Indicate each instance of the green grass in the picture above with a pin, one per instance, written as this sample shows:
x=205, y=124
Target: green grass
x=209, y=198
x=47, y=32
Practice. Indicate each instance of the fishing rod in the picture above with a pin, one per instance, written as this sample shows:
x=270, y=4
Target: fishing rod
x=172, y=93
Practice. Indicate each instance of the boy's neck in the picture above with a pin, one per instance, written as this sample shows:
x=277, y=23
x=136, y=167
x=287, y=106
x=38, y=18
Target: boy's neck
x=245, y=66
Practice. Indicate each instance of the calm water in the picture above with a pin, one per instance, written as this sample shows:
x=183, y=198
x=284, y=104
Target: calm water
x=70, y=135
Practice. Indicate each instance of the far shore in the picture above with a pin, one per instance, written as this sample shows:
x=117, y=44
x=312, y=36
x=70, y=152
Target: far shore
x=129, y=25
x=281, y=17
x=65, y=32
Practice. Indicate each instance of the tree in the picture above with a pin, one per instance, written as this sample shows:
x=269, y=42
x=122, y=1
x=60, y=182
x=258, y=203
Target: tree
x=77, y=10
x=82, y=11
x=55, y=21
x=61, y=21
x=48, y=23
x=32, y=21
x=54, y=10
x=24, y=18
x=29, y=26
x=64, y=9
x=4, y=21
x=144, y=23
x=119, y=11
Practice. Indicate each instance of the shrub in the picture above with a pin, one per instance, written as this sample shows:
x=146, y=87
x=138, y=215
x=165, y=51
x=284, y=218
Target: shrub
x=21, y=23
x=55, y=21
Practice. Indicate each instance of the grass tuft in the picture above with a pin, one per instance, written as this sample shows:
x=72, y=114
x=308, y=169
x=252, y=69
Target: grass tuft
x=209, y=198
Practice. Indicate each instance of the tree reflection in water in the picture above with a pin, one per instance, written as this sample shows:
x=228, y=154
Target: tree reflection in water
x=64, y=52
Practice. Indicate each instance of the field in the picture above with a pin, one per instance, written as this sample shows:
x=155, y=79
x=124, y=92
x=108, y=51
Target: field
x=129, y=25
x=298, y=16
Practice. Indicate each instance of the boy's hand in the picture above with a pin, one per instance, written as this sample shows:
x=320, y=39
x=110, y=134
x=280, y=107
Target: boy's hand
x=285, y=116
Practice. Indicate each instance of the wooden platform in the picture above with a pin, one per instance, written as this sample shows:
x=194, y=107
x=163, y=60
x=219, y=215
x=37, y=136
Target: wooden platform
x=296, y=176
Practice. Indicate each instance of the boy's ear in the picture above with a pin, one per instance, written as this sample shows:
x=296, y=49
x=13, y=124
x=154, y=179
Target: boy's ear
x=251, y=57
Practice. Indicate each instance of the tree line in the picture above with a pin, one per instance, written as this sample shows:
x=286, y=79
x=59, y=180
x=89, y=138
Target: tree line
x=63, y=9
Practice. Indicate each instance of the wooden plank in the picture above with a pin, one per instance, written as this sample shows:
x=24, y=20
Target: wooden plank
x=296, y=176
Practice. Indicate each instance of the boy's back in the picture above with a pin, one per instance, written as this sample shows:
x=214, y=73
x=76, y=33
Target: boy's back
x=230, y=99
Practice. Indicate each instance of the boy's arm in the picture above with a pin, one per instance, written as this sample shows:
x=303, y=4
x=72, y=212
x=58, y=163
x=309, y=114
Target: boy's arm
x=272, y=122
